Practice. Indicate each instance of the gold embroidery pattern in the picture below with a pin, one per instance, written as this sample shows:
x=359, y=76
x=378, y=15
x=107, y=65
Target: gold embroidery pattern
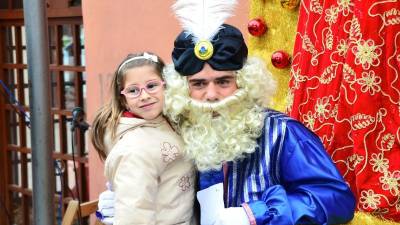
x=353, y=161
x=390, y=181
x=367, y=53
x=331, y=15
x=369, y=199
x=379, y=163
x=370, y=82
x=345, y=86
x=344, y=6
x=316, y=7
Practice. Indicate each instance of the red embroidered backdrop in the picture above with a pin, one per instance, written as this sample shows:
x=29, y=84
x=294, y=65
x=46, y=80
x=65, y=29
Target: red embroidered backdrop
x=345, y=86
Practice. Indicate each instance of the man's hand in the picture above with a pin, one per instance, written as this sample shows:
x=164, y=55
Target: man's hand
x=232, y=215
x=106, y=210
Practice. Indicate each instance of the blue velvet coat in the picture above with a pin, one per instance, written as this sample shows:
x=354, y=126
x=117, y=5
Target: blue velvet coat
x=288, y=179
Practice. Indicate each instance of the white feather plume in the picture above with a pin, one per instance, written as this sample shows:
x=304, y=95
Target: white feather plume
x=203, y=18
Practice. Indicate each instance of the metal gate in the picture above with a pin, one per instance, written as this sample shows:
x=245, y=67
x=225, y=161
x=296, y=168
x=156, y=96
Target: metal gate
x=67, y=72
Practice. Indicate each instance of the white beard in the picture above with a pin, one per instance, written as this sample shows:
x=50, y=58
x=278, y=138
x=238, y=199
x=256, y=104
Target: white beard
x=220, y=132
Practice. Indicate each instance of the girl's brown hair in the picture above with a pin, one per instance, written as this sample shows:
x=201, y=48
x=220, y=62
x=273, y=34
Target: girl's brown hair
x=108, y=116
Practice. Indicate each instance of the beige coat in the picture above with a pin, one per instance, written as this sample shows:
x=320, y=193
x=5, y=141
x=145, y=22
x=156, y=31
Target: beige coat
x=153, y=182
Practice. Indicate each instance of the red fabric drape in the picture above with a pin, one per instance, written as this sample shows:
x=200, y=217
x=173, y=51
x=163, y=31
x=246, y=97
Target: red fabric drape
x=345, y=86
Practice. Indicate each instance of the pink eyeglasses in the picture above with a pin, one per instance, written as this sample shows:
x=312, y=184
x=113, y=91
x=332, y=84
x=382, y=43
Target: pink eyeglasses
x=135, y=91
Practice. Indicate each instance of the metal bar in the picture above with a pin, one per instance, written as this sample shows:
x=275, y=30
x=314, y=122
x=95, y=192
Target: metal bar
x=42, y=137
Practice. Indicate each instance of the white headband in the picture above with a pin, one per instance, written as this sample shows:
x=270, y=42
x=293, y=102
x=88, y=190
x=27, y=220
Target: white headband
x=145, y=55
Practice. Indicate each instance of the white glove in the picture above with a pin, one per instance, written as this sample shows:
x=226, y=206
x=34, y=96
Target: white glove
x=105, y=212
x=232, y=215
x=108, y=220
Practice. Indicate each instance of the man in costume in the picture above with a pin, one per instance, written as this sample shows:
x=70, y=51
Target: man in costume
x=256, y=166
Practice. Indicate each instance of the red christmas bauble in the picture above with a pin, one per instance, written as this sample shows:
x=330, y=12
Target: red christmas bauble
x=257, y=27
x=280, y=59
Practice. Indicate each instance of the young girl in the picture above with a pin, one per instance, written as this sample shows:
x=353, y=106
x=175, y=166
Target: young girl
x=153, y=183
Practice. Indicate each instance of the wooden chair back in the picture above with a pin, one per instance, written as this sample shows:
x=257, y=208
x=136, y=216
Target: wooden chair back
x=87, y=208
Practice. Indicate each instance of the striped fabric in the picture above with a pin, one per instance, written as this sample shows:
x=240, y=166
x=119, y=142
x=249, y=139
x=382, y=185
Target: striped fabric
x=250, y=177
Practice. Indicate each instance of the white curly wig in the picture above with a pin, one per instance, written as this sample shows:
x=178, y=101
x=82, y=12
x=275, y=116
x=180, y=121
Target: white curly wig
x=211, y=140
